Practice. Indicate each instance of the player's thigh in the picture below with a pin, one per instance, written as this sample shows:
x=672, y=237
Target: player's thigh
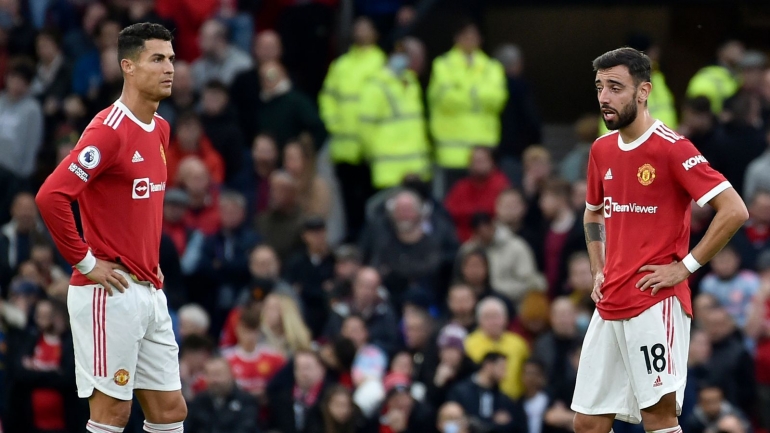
x=106, y=332
x=658, y=342
x=602, y=385
x=157, y=368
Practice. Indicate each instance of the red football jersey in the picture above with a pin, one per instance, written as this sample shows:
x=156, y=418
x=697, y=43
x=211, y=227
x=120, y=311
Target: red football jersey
x=48, y=403
x=252, y=371
x=645, y=189
x=117, y=173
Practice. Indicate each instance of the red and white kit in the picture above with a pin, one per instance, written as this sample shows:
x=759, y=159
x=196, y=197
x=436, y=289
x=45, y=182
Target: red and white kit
x=117, y=174
x=635, y=350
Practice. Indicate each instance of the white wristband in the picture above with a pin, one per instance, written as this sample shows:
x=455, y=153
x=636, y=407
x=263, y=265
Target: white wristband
x=87, y=264
x=690, y=263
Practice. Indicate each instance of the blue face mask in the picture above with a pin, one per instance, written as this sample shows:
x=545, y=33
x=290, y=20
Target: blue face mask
x=582, y=322
x=398, y=63
x=451, y=427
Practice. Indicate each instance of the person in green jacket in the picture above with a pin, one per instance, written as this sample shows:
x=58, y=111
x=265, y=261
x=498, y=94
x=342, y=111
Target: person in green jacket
x=718, y=82
x=393, y=128
x=339, y=103
x=466, y=94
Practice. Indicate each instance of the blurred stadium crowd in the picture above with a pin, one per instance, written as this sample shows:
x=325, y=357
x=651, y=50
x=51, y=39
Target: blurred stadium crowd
x=378, y=245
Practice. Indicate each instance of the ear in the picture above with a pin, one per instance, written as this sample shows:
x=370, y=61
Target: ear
x=127, y=66
x=644, y=92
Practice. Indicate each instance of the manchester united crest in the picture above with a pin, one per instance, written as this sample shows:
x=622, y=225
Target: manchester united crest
x=162, y=153
x=121, y=377
x=646, y=174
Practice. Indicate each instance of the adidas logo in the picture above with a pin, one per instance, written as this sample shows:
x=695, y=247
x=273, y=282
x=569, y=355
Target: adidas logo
x=137, y=157
x=608, y=176
x=657, y=383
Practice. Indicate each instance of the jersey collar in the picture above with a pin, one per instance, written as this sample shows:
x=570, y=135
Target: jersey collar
x=642, y=138
x=149, y=127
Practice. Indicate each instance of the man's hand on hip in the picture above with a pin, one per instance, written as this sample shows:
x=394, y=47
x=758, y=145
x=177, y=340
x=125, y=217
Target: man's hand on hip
x=104, y=273
x=661, y=276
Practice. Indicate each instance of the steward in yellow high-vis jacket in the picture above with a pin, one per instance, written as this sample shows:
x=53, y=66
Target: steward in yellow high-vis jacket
x=393, y=127
x=466, y=94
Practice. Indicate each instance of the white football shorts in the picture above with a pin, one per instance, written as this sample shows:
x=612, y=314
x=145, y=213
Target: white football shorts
x=124, y=341
x=628, y=365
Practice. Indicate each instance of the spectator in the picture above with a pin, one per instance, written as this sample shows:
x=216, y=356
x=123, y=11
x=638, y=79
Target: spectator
x=87, y=72
x=512, y=269
x=143, y=11
x=754, y=237
x=538, y=167
x=573, y=166
x=702, y=127
x=745, y=139
x=581, y=283
x=493, y=337
x=219, y=59
x=296, y=409
x=758, y=172
x=461, y=302
x=751, y=69
x=520, y=119
x=451, y=419
x=533, y=317
x=698, y=357
x=420, y=338
x=406, y=251
x=367, y=301
x=511, y=209
x=758, y=329
x=53, y=79
x=453, y=365
x=284, y=111
x=18, y=236
x=369, y=366
x=299, y=160
x=184, y=96
x=188, y=17
x=194, y=352
x=711, y=409
x=392, y=122
x=223, y=261
x=733, y=287
x=223, y=406
x=553, y=347
x=111, y=86
x=718, y=82
x=43, y=380
x=481, y=398
x=175, y=204
x=218, y=119
x=559, y=416
x=733, y=424
x=476, y=193
x=401, y=413
x=21, y=118
x=203, y=211
x=246, y=86
x=193, y=320
x=346, y=266
x=311, y=273
x=466, y=94
x=535, y=400
x=252, y=364
x=191, y=141
x=730, y=366
x=254, y=181
x=80, y=40
x=42, y=258
x=21, y=33
x=281, y=223
x=338, y=413
x=562, y=236
x=281, y=325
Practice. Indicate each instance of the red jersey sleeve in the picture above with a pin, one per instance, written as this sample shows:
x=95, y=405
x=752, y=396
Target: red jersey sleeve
x=94, y=153
x=594, y=187
x=691, y=170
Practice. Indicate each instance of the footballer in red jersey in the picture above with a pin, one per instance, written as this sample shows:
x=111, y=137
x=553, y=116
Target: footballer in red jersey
x=642, y=179
x=124, y=342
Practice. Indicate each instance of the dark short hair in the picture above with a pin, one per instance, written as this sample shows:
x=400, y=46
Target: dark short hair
x=638, y=64
x=196, y=343
x=249, y=319
x=215, y=85
x=463, y=25
x=131, y=39
x=53, y=34
x=186, y=117
x=492, y=357
x=22, y=67
x=558, y=187
x=699, y=104
x=537, y=362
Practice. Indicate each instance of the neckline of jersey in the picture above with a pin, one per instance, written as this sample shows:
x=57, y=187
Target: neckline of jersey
x=642, y=138
x=149, y=127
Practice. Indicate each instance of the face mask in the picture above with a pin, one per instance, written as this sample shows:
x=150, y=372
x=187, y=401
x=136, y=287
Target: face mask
x=451, y=427
x=582, y=322
x=398, y=63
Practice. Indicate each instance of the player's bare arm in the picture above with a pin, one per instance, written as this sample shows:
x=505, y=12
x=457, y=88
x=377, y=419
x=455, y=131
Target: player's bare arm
x=593, y=226
x=104, y=273
x=730, y=215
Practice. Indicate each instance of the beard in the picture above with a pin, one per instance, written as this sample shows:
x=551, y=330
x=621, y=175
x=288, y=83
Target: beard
x=622, y=119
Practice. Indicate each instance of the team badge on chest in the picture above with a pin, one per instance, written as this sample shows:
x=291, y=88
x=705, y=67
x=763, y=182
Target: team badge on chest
x=646, y=174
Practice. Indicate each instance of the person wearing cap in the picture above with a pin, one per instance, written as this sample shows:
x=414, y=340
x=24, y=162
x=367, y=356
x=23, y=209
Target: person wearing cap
x=453, y=365
x=401, y=412
x=311, y=272
x=483, y=401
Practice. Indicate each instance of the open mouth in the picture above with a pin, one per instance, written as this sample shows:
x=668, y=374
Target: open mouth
x=609, y=114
